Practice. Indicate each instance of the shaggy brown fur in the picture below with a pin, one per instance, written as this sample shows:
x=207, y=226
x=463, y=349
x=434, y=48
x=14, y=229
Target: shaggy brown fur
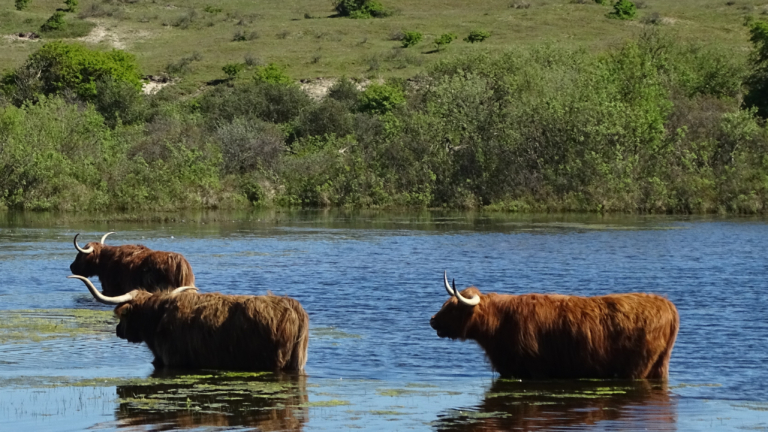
x=555, y=336
x=217, y=331
x=122, y=269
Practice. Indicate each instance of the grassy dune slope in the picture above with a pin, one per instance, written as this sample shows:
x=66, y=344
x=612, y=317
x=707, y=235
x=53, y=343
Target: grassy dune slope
x=302, y=35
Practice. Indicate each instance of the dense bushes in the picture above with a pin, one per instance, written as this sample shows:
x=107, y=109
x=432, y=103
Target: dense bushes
x=653, y=126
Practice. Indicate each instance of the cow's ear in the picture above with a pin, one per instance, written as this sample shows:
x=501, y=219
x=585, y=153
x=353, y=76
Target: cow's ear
x=122, y=310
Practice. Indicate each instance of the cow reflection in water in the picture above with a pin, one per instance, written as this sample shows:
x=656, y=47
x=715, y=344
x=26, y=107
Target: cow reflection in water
x=269, y=403
x=618, y=405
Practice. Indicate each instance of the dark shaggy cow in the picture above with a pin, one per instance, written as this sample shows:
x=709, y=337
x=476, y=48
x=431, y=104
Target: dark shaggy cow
x=556, y=336
x=213, y=331
x=122, y=269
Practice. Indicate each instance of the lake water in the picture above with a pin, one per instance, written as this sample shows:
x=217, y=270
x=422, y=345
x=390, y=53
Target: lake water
x=370, y=282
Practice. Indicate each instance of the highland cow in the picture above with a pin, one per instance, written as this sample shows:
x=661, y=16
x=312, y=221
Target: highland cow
x=122, y=269
x=539, y=336
x=213, y=331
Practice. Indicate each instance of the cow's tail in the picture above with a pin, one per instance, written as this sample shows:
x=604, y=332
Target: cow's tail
x=299, y=352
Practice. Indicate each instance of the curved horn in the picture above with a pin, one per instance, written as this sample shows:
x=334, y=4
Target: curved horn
x=180, y=290
x=474, y=301
x=447, y=285
x=101, y=297
x=104, y=237
x=81, y=250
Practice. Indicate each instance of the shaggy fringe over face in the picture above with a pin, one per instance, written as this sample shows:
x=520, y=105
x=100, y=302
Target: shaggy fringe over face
x=556, y=336
x=218, y=331
x=122, y=269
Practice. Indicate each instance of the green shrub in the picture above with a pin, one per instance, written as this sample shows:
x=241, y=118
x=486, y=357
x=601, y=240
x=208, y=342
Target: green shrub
x=58, y=67
x=444, y=40
x=757, y=81
x=271, y=102
x=71, y=5
x=411, y=38
x=361, y=9
x=233, y=69
x=54, y=22
x=381, y=98
x=21, y=4
x=248, y=146
x=328, y=117
x=120, y=101
x=623, y=10
x=272, y=73
x=183, y=66
x=477, y=36
x=344, y=91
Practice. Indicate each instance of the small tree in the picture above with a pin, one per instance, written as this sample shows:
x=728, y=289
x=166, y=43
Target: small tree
x=71, y=5
x=477, y=36
x=623, y=10
x=410, y=39
x=380, y=98
x=21, y=4
x=444, y=40
x=55, y=22
x=757, y=81
x=233, y=69
x=361, y=9
x=272, y=73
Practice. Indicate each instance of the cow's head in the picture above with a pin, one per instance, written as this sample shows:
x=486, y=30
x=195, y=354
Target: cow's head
x=134, y=318
x=452, y=319
x=87, y=259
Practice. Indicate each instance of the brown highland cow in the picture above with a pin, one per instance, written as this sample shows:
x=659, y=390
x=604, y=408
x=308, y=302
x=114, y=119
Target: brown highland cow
x=213, y=331
x=543, y=336
x=122, y=269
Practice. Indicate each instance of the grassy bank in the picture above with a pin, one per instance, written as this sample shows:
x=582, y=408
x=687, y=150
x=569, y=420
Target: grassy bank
x=303, y=35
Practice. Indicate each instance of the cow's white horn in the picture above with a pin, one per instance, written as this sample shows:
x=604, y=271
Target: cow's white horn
x=101, y=297
x=447, y=285
x=104, y=237
x=474, y=301
x=81, y=250
x=180, y=290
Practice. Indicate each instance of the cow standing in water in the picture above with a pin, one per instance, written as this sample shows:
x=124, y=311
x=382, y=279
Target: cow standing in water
x=122, y=269
x=213, y=331
x=542, y=336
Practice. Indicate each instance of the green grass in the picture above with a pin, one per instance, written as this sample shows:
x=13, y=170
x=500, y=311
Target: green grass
x=321, y=46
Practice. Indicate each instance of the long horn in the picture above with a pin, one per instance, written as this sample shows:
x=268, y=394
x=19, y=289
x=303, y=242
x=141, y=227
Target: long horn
x=101, y=297
x=104, y=237
x=447, y=285
x=79, y=249
x=474, y=301
x=180, y=290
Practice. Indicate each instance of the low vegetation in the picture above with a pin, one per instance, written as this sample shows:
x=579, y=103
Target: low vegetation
x=653, y=125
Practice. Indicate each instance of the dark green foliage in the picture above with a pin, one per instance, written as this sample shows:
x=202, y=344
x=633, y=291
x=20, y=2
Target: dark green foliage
x=275, y=103
x=444, y=40
x=71, y=5
x=248, y=146
x=58, y=67
x=344, y=91
x=623, y=10
x=271, y=73
x=21, y=4
x=757, y=82
x=477, y=36
x=381, y=98
x=54, y=22
x=410, y=39
x=601, y=2
x=328, y=117
x=119, y=101
x=233, y=69
x=212, y=9
x=361, y=9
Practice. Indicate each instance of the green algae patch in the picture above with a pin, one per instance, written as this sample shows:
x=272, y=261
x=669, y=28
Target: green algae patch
x=387, y=413
x=686, y=385
x=36, y=325
x=396, y=392
x=328, y=403
x=331, y=333
x=420, y=385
